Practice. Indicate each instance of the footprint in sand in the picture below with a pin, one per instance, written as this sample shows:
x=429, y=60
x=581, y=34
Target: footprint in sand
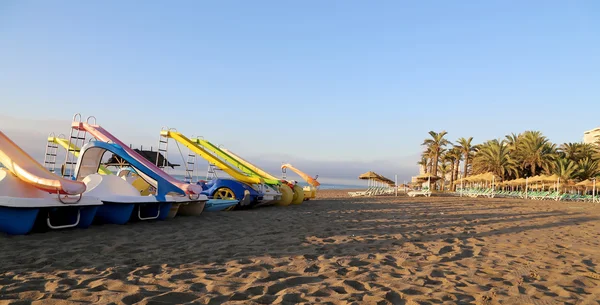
x=276, y=275
x=356, y=285
x=293, y=298
x=182, y=276
x=312, y=269
x=215, y=271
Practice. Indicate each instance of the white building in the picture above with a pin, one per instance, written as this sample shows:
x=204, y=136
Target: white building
x=591, y=136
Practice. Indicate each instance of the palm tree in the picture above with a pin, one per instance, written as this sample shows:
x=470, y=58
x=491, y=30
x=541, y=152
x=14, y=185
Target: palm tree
x=588, y=168
x=453, y=156
x=444, y=168
x=565, y=169
x=512, y=140
x=494, y=156
x=435, y=145
x=423, y=162
x=467, y=149
x=570, y=151
x=536, y=152
x=588, y=150
x=429, y=155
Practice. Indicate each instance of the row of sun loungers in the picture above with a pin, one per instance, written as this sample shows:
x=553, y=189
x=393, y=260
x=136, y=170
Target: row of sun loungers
x=533, y=195
x=374, y=191
x=425, y=192
x=477, y=192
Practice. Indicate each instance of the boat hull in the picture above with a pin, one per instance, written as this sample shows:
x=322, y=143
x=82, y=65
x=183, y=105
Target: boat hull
x=17, y=221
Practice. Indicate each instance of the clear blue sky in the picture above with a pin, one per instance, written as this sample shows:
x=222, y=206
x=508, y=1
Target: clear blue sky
x=360, y=80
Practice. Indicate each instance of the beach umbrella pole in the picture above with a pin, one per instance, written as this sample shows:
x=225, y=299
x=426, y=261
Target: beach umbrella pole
x=461, y=186
x=429, y=184
x=557, y=188
x=594, y=191
x=396, y=184
x=526, y=187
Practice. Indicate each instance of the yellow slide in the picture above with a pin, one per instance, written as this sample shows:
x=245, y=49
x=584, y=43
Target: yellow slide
x=250, y=165
x=196, y=148
x=310, y=180
x=30, y=171
x=288, y=194
x=70, y=147
x=309, y=191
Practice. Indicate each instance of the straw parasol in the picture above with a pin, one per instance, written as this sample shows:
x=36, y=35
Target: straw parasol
x=428, y=177
x=371, y=175
x=368, y=175
x=585, y=183
x=517, y=181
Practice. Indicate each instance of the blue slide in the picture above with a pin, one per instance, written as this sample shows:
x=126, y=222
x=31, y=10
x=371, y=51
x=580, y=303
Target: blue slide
x=90, y=158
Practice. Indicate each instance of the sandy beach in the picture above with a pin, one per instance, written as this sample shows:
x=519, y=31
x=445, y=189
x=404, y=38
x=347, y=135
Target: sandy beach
x=334, y=250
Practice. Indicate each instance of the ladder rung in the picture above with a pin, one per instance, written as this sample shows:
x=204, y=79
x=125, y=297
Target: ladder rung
x=50, y=162
x=51, y=155
x=71, y=163
x=77, y=138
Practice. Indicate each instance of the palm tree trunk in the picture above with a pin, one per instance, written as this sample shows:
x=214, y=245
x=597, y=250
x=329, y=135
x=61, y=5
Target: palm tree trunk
x=456, y=170
x=451, y=176
x=465, y=166
x=435, y=163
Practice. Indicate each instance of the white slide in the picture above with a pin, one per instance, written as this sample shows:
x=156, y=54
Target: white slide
x=31, y=172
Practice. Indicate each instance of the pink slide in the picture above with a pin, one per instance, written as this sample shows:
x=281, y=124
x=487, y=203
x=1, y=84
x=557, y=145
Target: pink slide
x=102, y=135
x=30, y=171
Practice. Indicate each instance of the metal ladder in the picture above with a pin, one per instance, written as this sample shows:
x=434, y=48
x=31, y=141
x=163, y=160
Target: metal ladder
x=163, y=147
x=191, y=166
x=283, y=172
x=76, y=139
x=211, y=173
x=51, y=152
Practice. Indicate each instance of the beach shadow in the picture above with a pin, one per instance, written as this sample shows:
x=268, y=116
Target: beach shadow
x=352, y=234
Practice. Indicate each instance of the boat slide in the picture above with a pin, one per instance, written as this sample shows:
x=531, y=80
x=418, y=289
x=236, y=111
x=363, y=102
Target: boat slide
x=272, y=184
x=245, y=169
x=104, y=136
x=26, y=188
x=310, y=180
x=117, y=192
x=269, y=194
x=72, y=148
x=199, y=150
x=287, y=193
x=309, y=192
x=249, y=165
x=30, y=171
x=114, y=190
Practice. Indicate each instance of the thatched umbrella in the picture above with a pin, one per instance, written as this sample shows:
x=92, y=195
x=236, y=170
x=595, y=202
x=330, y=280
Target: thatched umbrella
x=585, y=183
x=589, y=183
x=368, y=175
x=428, y=177
x=373, y=176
